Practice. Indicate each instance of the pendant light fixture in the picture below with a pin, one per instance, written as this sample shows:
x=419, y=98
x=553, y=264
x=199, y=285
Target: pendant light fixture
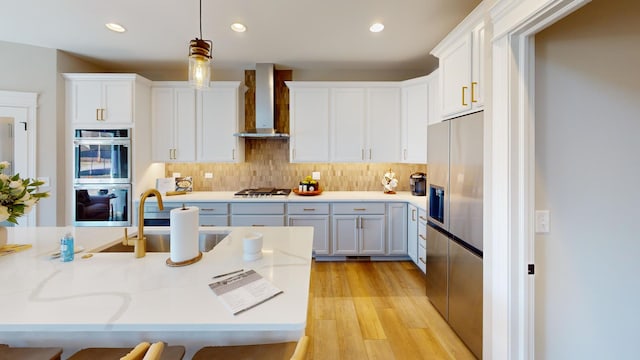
x=199, y=60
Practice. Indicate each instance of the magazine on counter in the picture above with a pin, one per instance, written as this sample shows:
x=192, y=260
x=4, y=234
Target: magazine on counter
x=244, y=291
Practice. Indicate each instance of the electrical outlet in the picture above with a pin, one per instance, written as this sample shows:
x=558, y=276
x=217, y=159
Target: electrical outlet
x=208, y=175
x=542, y=221
x=176, y=174
x=315, y=175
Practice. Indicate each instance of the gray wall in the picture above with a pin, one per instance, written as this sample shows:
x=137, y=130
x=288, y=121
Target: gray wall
x=35, y=69
x=588, y=175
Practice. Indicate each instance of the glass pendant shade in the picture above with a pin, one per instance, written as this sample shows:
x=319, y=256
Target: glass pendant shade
x=199, y=63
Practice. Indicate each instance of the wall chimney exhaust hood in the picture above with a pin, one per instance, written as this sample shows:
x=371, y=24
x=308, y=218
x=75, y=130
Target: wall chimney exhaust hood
x=265, y=105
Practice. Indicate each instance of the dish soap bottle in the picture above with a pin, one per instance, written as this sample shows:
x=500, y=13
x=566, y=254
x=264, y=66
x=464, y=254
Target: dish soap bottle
x=66, y=248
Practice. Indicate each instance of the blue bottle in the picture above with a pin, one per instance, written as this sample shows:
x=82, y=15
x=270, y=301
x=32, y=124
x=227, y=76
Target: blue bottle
x=66, y=248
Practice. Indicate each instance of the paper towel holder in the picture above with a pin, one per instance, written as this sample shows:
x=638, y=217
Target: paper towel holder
x=186, y=262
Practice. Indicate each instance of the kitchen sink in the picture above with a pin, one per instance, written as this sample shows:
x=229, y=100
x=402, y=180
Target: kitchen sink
x=161, y=242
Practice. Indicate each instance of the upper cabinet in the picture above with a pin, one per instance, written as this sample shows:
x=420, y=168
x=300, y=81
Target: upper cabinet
x=173, y=122
x=461, y=56
x=102, y=100
x=345, y=121
x=190, y=125
x=419, y=109
x=219, y=116
x=308, y=123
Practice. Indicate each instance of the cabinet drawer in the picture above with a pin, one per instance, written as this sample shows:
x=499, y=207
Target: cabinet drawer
x=258, y=208
x=308, y=208
x=358, y=208
x=211, y=208
x=257, y=220
x=422, y=259
x=422, y=215
x=214, y=220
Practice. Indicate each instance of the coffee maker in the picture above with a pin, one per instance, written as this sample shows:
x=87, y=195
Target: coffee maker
x=418, y=182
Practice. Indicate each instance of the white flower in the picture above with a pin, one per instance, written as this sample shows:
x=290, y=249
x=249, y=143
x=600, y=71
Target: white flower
x=4, y=213
x=4, y=177
x=4, y=164
x=15, y=184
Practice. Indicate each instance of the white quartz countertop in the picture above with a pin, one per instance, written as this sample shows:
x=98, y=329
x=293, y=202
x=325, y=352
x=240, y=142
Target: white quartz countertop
x=326, y=196
x=109, y=298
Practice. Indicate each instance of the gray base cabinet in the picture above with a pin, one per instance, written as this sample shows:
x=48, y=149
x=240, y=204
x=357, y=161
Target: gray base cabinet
x=412, y=233
x=257, y=214
x=317, y=216
x=359, y=229
x=397, y=229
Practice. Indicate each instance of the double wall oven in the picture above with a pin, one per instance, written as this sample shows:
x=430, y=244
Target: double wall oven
x=102, y=177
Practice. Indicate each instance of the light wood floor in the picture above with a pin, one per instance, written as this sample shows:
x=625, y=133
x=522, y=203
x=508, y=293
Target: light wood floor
x=375, y=310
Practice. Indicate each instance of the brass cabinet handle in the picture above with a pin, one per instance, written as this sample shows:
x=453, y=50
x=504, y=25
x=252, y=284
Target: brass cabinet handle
x=293, y=154
x=404, y=154
x=422, y=261
x=257, y=225
x=422, y=237
x=359, y=209
x=463, y=95
x=233, y=154
x=102, y=115
x=362, y=154
x=369, y=154
x=423, y=218
x=473, y=91
x=308, y=209
x=207, y=209
x=413, y=214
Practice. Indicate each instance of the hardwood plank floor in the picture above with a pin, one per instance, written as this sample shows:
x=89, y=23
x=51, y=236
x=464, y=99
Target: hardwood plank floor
x=375, y=310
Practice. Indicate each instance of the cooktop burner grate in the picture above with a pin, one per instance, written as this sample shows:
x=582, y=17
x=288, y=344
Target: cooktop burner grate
x=263, y=192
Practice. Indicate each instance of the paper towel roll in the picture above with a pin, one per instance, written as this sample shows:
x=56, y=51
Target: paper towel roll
x=184, y=233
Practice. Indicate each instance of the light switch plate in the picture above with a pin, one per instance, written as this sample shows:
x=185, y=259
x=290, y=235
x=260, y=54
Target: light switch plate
x=542, y=221
x=315, y=175
x=208, y=175
x=176, y=174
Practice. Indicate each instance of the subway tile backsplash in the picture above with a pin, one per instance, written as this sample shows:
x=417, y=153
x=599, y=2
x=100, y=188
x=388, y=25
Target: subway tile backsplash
x=267, y=164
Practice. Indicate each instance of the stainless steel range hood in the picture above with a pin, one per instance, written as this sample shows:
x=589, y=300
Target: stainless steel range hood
x=265, y=105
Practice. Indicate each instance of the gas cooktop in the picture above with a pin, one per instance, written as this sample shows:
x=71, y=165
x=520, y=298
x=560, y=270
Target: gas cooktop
x=263, y=192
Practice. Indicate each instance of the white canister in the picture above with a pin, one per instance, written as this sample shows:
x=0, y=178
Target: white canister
x=252, y=246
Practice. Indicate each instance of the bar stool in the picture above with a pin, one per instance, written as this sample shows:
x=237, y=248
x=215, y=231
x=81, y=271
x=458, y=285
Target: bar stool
x=279, y=351
x=29, y=353
x=144, y=350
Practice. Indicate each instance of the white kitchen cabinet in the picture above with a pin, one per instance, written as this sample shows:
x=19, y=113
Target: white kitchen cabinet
x=383, y=117
x=358, y=229
x=397, y=229
x=434, y=98
x=412, y=233
x=461, y=56
x=308, y=123
x=173, y=122
x=415, y=117
x=101, y=100
x=364, y=123
x=348, y=114
x=317, y=216
x=219, y=115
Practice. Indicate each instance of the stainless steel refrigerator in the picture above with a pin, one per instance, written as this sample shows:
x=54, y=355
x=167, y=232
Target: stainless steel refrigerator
x=454, y=230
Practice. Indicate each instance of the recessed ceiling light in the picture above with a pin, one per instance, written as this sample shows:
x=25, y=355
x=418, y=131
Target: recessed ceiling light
x=115, y=27
x=237, y=27
x=377, y=27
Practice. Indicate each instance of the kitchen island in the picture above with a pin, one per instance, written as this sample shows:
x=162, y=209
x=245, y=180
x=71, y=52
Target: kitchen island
x=116, y=300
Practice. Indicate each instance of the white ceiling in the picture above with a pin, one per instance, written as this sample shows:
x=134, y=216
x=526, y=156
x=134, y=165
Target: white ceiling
x=293, y=34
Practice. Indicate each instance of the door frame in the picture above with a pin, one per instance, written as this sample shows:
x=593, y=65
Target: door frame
x=509, y=205
x=25, y=105
x=509, y=304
